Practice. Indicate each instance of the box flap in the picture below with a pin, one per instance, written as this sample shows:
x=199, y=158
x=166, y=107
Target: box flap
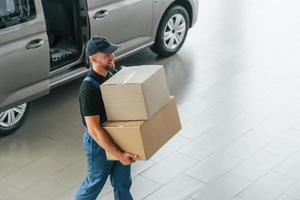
x=132, y=75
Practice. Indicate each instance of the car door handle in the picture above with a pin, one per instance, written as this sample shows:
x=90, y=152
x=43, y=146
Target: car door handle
x=35, y=44
x=100, y=14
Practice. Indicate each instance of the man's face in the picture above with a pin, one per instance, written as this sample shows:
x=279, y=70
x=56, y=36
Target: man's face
x=105, y=60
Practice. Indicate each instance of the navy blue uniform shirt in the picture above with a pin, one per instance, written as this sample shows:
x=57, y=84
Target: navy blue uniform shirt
x=90, y=97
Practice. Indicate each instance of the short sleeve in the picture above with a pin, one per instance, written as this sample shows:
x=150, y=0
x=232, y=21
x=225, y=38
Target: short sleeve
x=90, y=102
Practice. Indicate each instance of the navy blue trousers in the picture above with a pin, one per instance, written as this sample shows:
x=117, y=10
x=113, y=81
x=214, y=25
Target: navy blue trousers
x=98, y=170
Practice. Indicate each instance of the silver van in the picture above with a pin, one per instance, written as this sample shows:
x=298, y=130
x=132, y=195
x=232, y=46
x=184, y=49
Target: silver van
x=42, y=42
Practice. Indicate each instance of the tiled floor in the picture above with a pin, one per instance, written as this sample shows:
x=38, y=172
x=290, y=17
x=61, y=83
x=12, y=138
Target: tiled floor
x=236, y=81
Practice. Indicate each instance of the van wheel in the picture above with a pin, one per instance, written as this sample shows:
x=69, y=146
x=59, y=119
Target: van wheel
x=12, y=119
x=171, y=32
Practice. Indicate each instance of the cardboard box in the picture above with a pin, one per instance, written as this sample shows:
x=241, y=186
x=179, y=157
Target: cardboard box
x=135, y=93
x=144, y=138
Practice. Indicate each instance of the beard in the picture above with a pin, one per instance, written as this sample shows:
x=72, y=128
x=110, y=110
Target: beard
x=110, y=66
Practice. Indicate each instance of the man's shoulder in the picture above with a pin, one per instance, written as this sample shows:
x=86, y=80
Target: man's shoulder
x=87, y=87
x=89, y=82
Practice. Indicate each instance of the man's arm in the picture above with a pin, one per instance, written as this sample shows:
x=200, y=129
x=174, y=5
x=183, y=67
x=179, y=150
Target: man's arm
x=102, y=139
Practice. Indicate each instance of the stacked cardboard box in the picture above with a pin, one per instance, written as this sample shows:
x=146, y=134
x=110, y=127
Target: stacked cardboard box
x=142, y=116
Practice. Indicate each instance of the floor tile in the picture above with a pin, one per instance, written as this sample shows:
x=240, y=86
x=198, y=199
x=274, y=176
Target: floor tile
x=8, y=165
x=75, y=132
x=280, y=122
x=213, y=167
x=67, y=195
x=69, y=153
x=27, y=149
x=205, y=146
x=33, y=173
x=257, y=165
x=284, y=197
x=7, y=191
x=248, y=144
x=192, y=107
x=293, y=192
x=179, y=189
x=140, y=166
x=239, y=125
x=66, y=176
x=225, y=188
x=290, y=167
x=169, y=168
x=268, y=187
x=237, y=198
x=140, y=188
x=45, y=189
x=297, y=126
x=7, y=145
x=287, y=144
x=176, y=143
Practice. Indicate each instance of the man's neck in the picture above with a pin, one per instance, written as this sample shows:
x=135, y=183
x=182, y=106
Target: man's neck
x=100, y=70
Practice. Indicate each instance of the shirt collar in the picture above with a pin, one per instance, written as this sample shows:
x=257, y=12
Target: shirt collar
x=99, y=78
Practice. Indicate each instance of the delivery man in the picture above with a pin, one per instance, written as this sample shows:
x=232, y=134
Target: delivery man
x=96, y=141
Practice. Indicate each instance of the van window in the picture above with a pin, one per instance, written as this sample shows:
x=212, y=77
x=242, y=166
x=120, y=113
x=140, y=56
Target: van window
x=14, y=12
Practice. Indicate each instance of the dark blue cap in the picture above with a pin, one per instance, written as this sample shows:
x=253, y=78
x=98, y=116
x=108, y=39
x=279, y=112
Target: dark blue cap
x=99, y=44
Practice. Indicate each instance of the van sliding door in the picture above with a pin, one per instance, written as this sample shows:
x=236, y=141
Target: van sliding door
x=24, y=52
x=126, y=22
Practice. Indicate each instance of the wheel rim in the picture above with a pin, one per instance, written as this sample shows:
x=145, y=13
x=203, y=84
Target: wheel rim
x=174, y=31
x=12, y=116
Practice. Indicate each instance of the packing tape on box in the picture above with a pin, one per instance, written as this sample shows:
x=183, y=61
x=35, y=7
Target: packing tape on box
x=127, y=78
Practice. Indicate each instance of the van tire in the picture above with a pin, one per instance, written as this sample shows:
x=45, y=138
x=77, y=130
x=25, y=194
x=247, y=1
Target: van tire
x=161, y=46
x=6, y=129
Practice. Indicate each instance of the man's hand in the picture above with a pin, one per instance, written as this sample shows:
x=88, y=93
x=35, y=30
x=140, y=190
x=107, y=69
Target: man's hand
x=103, y=140
x=127, y=158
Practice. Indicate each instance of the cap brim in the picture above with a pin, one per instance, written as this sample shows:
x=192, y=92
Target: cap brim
x=111, y=48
